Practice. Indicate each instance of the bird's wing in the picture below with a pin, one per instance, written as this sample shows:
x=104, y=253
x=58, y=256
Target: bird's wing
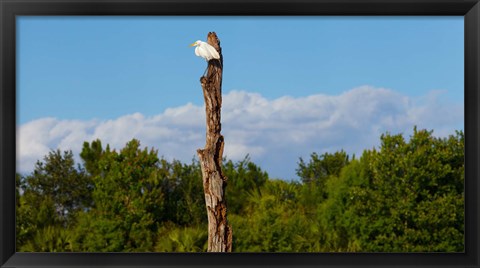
x=206, y=51
x=213, y=52
x=202, y=52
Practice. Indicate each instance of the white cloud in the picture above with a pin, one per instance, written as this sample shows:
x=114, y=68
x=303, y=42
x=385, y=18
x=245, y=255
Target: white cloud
x=274, y=132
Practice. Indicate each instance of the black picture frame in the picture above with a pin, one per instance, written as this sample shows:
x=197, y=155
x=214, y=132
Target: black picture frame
x=9, y=9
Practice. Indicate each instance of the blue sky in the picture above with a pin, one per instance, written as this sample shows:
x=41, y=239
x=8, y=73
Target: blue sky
x=96, y=70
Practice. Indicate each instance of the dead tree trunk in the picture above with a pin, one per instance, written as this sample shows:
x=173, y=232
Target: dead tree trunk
x=214, y=182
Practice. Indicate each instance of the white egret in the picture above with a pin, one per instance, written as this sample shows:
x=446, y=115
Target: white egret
x=205, y=51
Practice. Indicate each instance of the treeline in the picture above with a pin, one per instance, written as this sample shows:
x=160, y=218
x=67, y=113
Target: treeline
x=404, y=196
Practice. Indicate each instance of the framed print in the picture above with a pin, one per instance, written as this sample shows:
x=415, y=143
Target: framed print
x=320, y=134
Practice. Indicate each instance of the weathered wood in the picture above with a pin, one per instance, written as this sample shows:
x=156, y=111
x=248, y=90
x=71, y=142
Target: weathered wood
x=214, y=181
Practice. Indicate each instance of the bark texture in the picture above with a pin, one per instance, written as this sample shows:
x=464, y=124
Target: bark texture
x=214, y=182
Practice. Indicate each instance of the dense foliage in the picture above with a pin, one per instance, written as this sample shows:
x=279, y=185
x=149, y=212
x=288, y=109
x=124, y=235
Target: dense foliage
x=404, y=196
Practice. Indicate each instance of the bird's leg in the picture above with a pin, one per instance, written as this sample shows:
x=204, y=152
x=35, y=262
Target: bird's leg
x=205, y=71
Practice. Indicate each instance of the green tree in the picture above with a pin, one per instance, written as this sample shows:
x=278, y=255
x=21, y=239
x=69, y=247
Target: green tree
x=183, y=193
x=413, y=199
x=172, y=238
x=318, y=170
x=405, y=196
x=127, y=200
x=339, y=230
x=274, y=221
x=243, y=178
x=91, y=155
x=49, y=239
x=59, y=181
x=51, y=196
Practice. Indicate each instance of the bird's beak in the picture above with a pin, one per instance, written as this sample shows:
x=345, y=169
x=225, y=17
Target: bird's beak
x=192, y=45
